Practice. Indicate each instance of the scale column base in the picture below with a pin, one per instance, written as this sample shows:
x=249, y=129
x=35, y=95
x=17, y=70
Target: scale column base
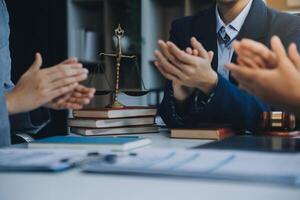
x=116, y=104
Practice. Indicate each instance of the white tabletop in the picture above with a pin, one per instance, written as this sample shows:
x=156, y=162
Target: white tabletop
x=78, y=186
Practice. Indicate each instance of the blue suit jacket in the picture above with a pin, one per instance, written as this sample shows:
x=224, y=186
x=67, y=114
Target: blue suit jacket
x=230, y=105
x=29, y=122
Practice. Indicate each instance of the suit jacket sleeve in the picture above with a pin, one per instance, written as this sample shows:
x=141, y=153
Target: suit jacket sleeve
x=229, y=105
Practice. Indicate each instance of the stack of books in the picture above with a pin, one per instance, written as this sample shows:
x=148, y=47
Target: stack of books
x=113, y=121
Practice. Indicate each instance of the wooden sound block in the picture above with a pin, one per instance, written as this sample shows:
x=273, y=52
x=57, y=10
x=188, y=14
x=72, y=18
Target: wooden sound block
x=280, y=133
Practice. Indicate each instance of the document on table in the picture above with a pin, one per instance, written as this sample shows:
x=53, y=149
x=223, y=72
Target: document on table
x=216, y=164
x=39, y=160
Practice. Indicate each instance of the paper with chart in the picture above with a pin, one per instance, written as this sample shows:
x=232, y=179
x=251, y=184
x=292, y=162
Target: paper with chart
x=217, y=164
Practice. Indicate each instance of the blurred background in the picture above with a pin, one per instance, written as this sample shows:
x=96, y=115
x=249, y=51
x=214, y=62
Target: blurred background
x=84, y=28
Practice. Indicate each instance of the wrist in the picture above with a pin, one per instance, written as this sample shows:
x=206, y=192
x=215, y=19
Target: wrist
x=210, y=85
x=182, y=93
x=10, y=104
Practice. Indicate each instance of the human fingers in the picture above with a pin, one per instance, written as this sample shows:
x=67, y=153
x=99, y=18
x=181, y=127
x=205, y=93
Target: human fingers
x=166, y=75
x=294, y=55
x=195, y=52
x=199, y=47
x=90, y=94
x=68, y=101
x=61, y=68
x=36, y=65
x=62, y=73
x=52, y=94
x=242, y=74
x=255, y=48
x=278, y=48
x=70, y=61
x=63, y=99
x=168, y=67
x=180, y=55
x=189, y=51
x=248, y=62
x=66, y=81
x=85, y=91
x=255, y=51
x=211, y=55
x=79, y=101
x=165, y=51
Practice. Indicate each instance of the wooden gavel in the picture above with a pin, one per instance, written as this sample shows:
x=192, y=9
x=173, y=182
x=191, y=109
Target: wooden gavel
x=278, y=121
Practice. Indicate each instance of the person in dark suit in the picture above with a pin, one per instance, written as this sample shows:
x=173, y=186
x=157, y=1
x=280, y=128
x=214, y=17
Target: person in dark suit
x=201, y=91
x=56, y=88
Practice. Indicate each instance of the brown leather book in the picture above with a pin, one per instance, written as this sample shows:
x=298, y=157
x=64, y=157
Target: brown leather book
x=110, y=113
x=110, y=123
x=202, y=133
x=114, y=131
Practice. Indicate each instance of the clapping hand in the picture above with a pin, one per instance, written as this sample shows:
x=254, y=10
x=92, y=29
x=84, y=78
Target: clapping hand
x=48, y=87
x=188, y=70
x=75, y=99
x=271, y=74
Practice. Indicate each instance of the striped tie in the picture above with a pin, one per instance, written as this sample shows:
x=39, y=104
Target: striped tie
x=223, y=36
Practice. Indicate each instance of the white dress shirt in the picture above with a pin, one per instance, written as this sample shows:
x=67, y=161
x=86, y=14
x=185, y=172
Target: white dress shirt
x=232, y=29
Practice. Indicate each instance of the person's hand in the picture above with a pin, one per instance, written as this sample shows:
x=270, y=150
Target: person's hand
x=185, y=69
x=279, y=85
x=181, y=92
x=254, y=54
x=74, y=100
x=38, y=87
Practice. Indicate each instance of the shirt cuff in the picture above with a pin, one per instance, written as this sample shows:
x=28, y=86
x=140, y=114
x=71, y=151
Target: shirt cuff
x=201, y=99
x=180, y=118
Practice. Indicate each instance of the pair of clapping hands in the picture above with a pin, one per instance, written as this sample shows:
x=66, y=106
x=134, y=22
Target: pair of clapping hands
x=271, y=74
x=188, y=70
x=56, y=87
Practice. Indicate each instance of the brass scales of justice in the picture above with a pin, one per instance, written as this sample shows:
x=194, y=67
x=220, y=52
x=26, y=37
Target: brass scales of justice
x=119, y=34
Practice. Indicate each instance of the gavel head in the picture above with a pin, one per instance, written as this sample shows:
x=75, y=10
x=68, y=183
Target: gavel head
x=277, y=121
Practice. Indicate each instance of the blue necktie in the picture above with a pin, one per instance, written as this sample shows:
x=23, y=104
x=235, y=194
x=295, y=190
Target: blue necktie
x=223, y=36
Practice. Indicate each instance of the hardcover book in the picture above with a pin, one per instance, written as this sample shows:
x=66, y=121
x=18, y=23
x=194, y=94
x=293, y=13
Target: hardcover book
x=90, y=143
x=202, y=133
x=115, y=112
x=110, y=123
x=114, y=131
